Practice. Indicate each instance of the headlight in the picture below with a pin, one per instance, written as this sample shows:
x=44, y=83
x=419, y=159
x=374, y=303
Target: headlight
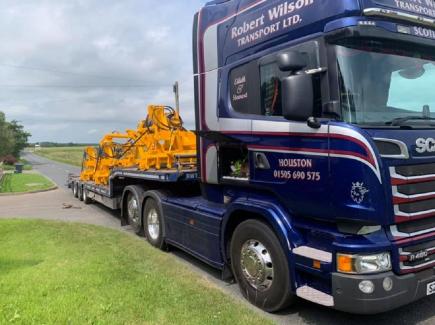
x=363, y=264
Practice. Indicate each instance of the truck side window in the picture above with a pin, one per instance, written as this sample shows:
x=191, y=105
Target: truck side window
x=244, y=89
x=270, y=90
x=255, y=87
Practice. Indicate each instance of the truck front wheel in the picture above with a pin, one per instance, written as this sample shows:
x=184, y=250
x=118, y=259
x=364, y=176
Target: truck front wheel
x=153, y=225
x=260, y=266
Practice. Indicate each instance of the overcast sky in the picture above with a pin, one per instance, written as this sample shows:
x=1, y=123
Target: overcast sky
x=72, y=70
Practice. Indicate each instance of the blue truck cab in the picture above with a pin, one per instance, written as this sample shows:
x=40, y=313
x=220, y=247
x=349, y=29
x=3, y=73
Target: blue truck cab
x=316, y=127
x=316, y=154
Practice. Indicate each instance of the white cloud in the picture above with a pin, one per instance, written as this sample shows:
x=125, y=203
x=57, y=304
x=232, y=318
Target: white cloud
x=67, y=56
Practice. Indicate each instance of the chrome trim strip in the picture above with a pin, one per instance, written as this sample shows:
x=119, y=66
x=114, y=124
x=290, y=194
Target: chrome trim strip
x=402, y=253
x=403, y=267
x=403, y=148
x=398, y=195
x=413, y=178
x=313, y=253
x=394, y=174
x=394, y=14
x=410, y=215
x=396, y=233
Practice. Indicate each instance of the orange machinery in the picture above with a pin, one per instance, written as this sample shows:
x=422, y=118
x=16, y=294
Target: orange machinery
x=159, y=142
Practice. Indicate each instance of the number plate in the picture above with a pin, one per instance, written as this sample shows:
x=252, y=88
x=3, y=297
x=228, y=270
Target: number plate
x=430, y=288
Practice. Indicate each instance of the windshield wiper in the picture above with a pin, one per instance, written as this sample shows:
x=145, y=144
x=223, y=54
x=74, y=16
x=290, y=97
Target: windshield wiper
x=402, y=120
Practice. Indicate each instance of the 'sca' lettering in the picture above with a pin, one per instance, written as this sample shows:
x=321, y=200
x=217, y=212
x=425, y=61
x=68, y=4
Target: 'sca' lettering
x=425, y=145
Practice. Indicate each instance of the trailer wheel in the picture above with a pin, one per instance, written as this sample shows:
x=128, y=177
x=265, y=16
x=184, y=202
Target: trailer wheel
x=133, y=211
x=153, y=224
x=75, y=189
x=80, y=192
x=260, y=266
x=86, y=198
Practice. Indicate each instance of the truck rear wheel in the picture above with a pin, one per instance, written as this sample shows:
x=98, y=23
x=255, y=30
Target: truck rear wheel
x=260, y=266
x=153, y=225
x=133, y=211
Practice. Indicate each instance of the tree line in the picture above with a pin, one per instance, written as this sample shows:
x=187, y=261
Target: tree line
x=13, y=139
x=46, y=144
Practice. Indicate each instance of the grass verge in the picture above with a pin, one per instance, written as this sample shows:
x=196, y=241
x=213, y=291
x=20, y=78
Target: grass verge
x=64, y=273
x=26, y=166
x=24, y=183
x=67, y=155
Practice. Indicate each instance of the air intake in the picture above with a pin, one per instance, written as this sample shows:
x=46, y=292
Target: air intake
x=389, y=148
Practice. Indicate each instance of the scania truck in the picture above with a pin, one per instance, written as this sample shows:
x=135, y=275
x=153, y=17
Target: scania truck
x=315, y=154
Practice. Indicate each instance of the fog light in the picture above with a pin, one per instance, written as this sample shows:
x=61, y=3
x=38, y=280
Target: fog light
x=366, y=286
x=387, y=284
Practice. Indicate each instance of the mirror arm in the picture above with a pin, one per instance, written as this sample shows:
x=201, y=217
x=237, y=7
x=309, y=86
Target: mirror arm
x=313, y=123
x=332, y=109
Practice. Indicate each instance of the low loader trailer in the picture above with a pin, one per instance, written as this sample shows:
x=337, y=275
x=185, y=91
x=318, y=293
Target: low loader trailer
x=311, y=170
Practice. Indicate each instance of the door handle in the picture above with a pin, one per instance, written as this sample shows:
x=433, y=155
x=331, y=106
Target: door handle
x=261, y=161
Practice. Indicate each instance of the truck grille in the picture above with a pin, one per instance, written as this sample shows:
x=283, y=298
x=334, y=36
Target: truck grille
x=417, y=257
x=414, y=207
x=413, y=192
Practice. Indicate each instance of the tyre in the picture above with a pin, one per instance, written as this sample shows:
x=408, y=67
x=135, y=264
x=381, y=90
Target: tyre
x=86, y=198
x=75, y=189
x=80, y=192
x=133, y=211
x=260, y=266
x=153, y=224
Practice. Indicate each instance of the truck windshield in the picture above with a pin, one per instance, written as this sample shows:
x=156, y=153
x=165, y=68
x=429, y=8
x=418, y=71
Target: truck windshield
x=382, y=85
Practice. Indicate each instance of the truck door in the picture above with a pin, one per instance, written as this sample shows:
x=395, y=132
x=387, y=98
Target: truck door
x=287, y=159
x=292, y=162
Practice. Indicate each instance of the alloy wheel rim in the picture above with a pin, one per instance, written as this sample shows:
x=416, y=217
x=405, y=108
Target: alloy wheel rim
x=256, y=264
x=132, y=209
x=153, y=224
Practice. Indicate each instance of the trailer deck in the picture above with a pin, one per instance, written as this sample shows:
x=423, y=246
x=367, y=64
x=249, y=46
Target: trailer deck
x=107, y=194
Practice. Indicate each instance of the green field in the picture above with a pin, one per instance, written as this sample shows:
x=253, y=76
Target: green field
x=65, y=273
x=67, y=155
x=23, y=183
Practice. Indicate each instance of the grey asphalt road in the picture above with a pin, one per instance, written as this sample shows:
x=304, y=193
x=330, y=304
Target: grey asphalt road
x=49, y=205
x=56, y=171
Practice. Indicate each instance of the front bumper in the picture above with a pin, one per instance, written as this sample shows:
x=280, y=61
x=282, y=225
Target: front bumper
x=406, y=289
